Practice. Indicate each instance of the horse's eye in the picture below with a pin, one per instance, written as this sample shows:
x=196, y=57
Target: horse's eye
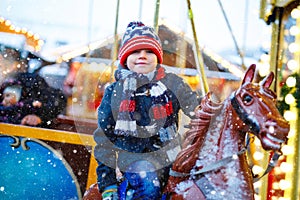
x=247, y=98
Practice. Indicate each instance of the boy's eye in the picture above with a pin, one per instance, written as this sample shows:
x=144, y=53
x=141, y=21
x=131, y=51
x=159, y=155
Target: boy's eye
x=138, y=51
x=149, y=51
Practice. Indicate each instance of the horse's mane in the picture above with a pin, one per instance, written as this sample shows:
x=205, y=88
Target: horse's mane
x=198, y=127
x=194, y=137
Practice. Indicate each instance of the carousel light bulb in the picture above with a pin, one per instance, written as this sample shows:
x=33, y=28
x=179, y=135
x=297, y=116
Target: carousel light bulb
x=265, y=58
x=295, y=13
x=289, y=99
x=292, y=64
x=257, y=184
x=291, y=81
x=40, y=42
x=293, y=47
x=277, y=170
x=24, y=30
x=275, y=185
x=257, y=197
x=284, y=184
x=7, y=23
x=258, y=155
x=12, y=27
x=287, y=150
x=289, y=115
x=74, y=100
x=292, y=133
x=257, y=169
x=286, y=167
x=263, y=69
x=283, y=198
x=18, y=29
x=294, y=30
x=36, y=36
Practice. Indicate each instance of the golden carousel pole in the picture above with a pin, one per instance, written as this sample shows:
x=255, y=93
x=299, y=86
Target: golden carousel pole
x=156, y=15
x=199, y=58
x=114, y=52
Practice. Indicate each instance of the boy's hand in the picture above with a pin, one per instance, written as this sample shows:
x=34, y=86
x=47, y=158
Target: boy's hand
x=31, y=120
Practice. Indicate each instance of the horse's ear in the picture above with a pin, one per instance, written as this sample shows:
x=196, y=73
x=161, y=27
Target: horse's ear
x=267, y=81
x=249, y=75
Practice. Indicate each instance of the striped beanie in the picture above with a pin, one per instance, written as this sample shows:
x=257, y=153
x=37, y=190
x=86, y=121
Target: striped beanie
x=138, y=36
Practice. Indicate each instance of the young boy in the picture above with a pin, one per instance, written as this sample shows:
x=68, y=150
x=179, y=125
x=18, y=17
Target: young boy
x=137, y=138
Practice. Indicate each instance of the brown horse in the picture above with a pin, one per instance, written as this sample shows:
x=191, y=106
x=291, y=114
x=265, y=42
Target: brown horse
x=212, y=163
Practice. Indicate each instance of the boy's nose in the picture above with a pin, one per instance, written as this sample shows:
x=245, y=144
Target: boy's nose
x=143, y=53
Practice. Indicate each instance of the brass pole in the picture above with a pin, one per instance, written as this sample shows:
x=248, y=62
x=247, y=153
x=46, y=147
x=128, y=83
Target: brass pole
x=199, y=58
x=275, y=58
x=155, y=24
x=114, y=52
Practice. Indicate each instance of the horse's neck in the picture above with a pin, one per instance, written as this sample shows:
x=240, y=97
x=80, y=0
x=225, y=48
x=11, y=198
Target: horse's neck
x=223, y=140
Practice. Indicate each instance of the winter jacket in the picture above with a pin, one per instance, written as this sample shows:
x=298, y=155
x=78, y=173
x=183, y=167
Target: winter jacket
x=160, y=148
x=34, y=88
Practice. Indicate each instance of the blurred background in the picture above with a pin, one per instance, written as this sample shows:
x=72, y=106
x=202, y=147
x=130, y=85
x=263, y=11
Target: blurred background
x=58, y=39
x=71, y=23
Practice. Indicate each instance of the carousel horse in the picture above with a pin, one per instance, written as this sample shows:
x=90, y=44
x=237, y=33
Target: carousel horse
x=213, y=164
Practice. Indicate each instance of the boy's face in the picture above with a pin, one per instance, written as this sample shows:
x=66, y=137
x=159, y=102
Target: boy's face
x=142, y=61
x=9, y=99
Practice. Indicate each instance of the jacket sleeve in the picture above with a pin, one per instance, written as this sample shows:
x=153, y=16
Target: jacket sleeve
x=11, y=114
x=54, y=103
x=104, y=149
x=188, y=99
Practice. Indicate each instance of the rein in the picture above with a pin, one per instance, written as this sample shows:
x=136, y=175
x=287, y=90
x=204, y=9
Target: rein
x=253, y=127
x=213, y=166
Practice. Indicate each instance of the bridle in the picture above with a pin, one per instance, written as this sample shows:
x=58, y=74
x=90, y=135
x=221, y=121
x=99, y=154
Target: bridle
x=254, y=128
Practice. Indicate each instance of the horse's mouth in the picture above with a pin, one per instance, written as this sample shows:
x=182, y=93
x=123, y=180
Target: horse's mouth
x=269, y=142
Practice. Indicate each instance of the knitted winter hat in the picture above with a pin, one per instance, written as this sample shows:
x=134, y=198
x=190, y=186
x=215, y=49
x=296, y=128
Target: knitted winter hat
x=138, y=36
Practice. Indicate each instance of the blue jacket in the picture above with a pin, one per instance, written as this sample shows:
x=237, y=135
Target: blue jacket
x=157, y=148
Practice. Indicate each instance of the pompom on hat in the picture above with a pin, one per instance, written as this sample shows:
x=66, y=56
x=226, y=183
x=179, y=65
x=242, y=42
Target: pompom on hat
x=138, y=36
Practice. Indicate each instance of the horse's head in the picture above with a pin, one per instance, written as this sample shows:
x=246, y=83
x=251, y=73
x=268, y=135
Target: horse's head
x=255, y=104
